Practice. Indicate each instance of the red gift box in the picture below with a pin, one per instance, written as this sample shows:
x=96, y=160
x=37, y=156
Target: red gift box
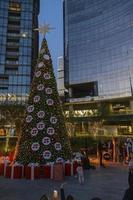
x=58, y=172
x=32, y=172
x=8, y=171
x=24, y=174
x=75, y=165
x=17, y=172
x=1, y=169
x=68, y=169
x=47, y=171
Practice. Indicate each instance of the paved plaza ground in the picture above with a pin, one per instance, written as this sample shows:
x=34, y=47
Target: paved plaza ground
x=108, y=183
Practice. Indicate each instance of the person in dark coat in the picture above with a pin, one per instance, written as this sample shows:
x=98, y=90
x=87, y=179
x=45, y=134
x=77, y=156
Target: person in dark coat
x=62, y=192
x=130, y=176
x=44, y=197
x=100, y=152
x=128, y=193
x=70, y=197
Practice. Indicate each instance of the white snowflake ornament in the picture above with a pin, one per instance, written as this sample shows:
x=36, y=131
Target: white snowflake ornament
x=46, y=141
x=40, y=125
x=36, y=99
x=29, y=118
x=41, y=64
x=38, y=74
x=59, y=159
x=58, y=146
x=34, y=132
x=50, y=131
x=46, y=57
x=48, y=90
x=50, y=102
x=47, y=76
x=40, y=87
x=30, y=108
x=35, y=146
x=47, y=154
x=53, y=120
x=42, y=51
x=41, y=114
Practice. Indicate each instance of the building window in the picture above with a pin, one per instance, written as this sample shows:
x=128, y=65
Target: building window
x=14, y=7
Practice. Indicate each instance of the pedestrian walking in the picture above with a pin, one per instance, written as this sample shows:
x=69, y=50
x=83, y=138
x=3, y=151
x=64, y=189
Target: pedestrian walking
x=100, y=153
x=80, y=173
x=128, y=193
x=44, y=197
x=70, y=197
x=62, y=192
x=55, y=195
x=129, y=147
x=130, y=176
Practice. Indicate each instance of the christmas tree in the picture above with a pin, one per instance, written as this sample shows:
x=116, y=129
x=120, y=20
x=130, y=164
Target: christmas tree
x=44, y=137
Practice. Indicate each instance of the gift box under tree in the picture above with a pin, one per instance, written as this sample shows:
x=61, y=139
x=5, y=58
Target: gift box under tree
x=1, y=169
x=32, y=172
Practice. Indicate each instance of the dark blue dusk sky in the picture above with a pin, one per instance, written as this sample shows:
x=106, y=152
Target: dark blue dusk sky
x=51, y=13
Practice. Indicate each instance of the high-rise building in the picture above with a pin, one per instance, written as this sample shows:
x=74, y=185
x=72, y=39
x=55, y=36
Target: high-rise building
x=98, y=57
x=60, y=77
x=18, y=48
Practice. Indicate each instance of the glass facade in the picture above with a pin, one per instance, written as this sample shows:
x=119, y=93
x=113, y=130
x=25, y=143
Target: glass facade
x=98, y=47
x=18, y=48
x=60, y=76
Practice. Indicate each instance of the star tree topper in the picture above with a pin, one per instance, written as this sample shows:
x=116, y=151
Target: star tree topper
x=44, y=29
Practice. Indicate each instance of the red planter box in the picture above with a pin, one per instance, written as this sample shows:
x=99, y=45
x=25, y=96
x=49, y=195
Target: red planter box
x=47, y=171
x=68, y=169
x=1, y=169
x=28, y=173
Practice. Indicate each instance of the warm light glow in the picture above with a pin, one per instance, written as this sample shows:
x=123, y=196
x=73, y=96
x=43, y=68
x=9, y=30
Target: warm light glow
x=24, y=35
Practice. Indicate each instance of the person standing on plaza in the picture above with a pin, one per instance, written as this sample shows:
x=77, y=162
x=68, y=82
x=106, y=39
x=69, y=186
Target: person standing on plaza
x=62, y=192
x=100, y=152
x=130, y=176
x=80, y=173
x=44, y=197
x=128, y=194
x=129, y=147
x=55, y=195
x=70, y=197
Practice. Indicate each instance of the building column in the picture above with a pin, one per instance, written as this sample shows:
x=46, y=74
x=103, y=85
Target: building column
x=131, y=105
x=71, y=111
x=83, y=128
x=110, y=107
x=70, y=92
x=131, y=109
x=88, y=127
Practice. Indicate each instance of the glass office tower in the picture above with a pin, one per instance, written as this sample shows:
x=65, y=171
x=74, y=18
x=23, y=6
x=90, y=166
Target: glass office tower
x=60, y=76
x=98, y=48
x=18, y=48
